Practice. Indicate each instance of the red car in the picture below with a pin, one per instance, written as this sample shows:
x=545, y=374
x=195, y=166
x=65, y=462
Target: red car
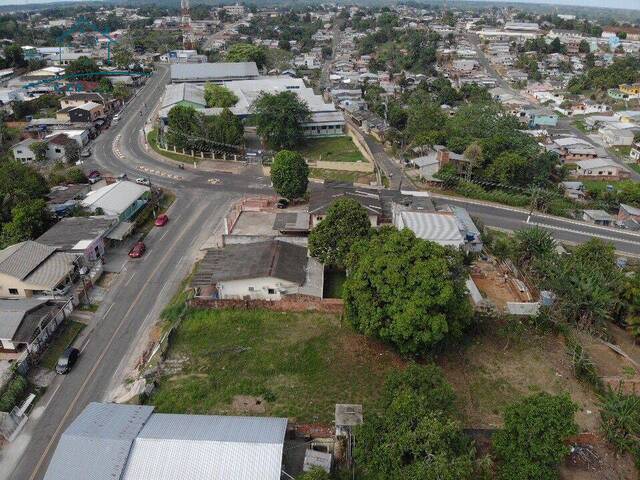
x=138, y=250
x=162, y=220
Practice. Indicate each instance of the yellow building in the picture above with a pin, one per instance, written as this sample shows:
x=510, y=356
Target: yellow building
x=633, y=89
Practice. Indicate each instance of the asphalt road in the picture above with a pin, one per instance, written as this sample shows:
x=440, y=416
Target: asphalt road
x=143, y=288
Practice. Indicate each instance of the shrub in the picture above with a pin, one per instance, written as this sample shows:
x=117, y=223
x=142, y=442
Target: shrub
x=13, y=393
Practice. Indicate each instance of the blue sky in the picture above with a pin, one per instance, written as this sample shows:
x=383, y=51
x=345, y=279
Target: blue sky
x=631, y=4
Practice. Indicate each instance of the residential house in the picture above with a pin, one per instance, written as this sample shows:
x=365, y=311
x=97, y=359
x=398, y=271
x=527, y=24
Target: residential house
x=80, y=235
x=571, y=149
x=22, y=150
x=264, y=270
x=120, y=199
x=573, y=190
x=57, y=146
x=538, y=119
x=63, y=198
x=87, y=113
x=320, y=200
x=30, y=269
x=24, y=322
x=78, y=99
x=80, y=135
x=598, y=217
x=600, y=168
x=617, y=136
x=629, y=214
x=447, y=157
x=132, y=442
x=632, y=90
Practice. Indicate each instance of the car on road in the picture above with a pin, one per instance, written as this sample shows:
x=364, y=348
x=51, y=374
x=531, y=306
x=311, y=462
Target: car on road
x=85, y=153
x=94, y=176
x=67, y=360
x=143, y=181
x=162, y=220
x=138, y=250
x=122, y=176
x=116, y=119
x=282, y=203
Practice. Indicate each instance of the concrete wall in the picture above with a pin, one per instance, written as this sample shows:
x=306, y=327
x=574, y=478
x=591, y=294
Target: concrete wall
x=255, y=288
x=364, y=167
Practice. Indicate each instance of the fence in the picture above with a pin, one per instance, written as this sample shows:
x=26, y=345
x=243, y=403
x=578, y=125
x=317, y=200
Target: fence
x=213, y=155
x=48, y=329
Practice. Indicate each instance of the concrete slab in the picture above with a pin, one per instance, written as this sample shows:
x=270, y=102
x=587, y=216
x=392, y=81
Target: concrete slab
x=255, y=223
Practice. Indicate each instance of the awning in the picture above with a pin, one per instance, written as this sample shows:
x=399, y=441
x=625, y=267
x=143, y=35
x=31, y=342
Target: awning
x=121, y=231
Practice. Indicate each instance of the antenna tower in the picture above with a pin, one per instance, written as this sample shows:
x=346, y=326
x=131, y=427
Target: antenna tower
x=188, y=39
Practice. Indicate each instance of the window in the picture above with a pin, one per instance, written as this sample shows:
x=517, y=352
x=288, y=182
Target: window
x=58, y=150
x=13, y=291
x=271, y=291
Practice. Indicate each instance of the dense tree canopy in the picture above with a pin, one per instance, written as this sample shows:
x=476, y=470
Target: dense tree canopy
x=345, y=223
x=289, y=174
x=415, y=437
x=279, y=118
x=624, y=70
x=246, y=52
x=82, y=65
x=219, y=96
x=533, y=441
x=190, y=129
x=29, y=220
x=406, y=291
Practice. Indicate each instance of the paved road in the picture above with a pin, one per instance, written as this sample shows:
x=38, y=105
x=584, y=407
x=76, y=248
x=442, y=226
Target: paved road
x=563, y=229
x=139, y=292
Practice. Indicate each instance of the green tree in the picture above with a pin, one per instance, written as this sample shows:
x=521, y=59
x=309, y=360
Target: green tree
x=533, y=441
x=510, y=168
x=29, y=220
x=289, y=174
x=40, y=149
x=122, y=56
x=13, y=56
x=224, y=128
x=246, y=52
x=620, y=415
x=406, y=291
x=584, y=47
x=415, y=437
x=82, y=65
x=105, y=85
x=533, y=244
x=316, y=473
x=72, y=152
x=183, y=123
x=121, y=91
x=219, y=96
x=279, y=118
x=345, y=223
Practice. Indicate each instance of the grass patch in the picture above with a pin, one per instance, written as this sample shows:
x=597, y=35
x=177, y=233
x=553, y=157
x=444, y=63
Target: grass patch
x=634, y=166
x=67, y=333
x=623, y=150
x=152, y=138
x=333, y=281
x=301, y=364
x=334, y=149
x=340, y=176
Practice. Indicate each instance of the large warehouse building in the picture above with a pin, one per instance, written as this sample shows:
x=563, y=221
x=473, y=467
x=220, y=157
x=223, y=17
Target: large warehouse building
x=325, y=119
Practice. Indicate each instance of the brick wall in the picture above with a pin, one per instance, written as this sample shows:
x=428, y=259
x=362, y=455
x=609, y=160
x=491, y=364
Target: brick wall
x=291, y=303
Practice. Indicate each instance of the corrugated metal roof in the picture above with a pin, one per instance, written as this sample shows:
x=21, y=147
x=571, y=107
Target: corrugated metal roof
x=436, y=227
x=21, y=259
x=273, y=258
x=195, y=447
x=213, y=71
x=115, y=198
x=12, y=312
x=53, y=270
x=96, y=445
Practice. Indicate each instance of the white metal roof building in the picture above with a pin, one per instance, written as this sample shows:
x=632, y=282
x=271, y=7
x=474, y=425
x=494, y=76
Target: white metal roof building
x=126, y=442
x=213, y=72
x=121, y=199
x=436, y=227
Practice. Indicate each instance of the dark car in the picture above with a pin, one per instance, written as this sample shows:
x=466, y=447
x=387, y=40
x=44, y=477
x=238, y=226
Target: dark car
x=93, y=173
x=138, y=250
x=67, y=360
x=282, y=203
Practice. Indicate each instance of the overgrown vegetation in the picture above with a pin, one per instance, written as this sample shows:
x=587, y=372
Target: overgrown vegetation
x=191, y=130
x=620, y=414
x=13, y=393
